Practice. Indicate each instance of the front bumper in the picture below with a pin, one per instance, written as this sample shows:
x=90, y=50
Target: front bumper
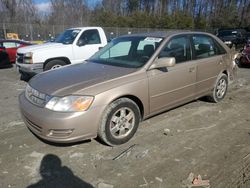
x=34, y=68
x=60, y=127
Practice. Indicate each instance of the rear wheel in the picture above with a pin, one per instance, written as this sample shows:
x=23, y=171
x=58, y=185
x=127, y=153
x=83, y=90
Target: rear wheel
x=220, y=89
x=120, y=122
x=54, y=64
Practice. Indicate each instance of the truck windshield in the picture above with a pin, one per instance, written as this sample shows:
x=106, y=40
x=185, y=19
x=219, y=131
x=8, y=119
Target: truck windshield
x=68, y=36
x=130, y=52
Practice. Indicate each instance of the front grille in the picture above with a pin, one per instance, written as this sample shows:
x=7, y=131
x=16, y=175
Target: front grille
x=19, y=58
x=35, y=96
x=34, y=126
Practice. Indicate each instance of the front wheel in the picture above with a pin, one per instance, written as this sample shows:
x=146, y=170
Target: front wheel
x=54, y=64
x=120, y=122
x=220, y=89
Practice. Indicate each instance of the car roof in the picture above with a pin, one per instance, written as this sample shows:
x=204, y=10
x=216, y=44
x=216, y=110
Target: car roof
x=14, y=40
x=84, y=28
x=165, y=34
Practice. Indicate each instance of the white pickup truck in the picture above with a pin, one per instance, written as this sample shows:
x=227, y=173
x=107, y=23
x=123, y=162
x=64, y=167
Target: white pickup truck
x=72, y=46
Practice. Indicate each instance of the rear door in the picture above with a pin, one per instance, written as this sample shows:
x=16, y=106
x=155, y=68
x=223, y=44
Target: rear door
x=171, y=86
x=210, y=60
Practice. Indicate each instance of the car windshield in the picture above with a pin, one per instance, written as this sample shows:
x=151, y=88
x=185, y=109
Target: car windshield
x=227, y=33
x=68, y=36
x=130, y=52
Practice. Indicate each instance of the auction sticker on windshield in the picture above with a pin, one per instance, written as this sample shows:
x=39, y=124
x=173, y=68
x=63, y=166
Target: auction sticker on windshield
x=153, y=39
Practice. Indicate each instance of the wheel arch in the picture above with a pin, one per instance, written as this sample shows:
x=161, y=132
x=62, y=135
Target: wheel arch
x=64, y=59
x=135, y=99
x=226, y=72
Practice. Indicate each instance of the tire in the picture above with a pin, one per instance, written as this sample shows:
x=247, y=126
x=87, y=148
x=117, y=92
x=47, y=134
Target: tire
x=119, y=122
x=25, y=76
x=54, y=64
x=220, y=89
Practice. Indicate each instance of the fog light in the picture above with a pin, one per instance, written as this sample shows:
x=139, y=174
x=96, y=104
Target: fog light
x=60, y=133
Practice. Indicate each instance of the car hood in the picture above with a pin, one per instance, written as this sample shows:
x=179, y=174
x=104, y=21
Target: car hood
x=73, y=78
x=227, y=38
x=37, y=47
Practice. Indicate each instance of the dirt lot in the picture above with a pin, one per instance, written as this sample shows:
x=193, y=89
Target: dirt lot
x=212, y=140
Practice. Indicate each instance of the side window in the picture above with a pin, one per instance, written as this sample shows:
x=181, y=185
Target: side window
x=119, y=50
x=145, y=48
x=219, y=49
x=143, y=43
x=204, y=46
x=9, y=44
x=178, y=47
x=18, y=44
x=90, y=37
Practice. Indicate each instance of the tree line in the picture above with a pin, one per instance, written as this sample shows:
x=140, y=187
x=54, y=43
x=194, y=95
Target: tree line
x=167, y=14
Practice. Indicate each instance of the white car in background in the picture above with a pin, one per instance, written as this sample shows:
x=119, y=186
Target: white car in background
x=72, y=46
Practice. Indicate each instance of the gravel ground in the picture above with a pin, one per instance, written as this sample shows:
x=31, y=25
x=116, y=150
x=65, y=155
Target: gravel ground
x=207, y=139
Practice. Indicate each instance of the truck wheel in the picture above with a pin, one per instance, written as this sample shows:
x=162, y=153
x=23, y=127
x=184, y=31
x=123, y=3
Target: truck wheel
x=25, y=76
x=120, y=122
x=220, y=89
x=54, y=64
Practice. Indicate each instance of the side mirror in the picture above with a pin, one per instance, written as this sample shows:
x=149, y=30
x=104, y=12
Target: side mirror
x=163, y=62
x=81, y=42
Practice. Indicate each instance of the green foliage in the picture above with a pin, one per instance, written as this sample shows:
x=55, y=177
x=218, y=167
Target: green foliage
x=227, y=18
x=171, y=14
x=200, y=22
x=143, y=20
x=182, y=20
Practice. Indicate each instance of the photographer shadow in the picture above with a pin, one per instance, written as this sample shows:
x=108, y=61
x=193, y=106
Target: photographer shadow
x=54, y=175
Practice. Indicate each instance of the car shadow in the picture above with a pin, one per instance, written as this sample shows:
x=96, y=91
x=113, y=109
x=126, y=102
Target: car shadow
x=55, y=175
x=244, y=66
x=6, y=66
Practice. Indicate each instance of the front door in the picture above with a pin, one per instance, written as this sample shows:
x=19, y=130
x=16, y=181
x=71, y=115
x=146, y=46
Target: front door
x=169, y=87
x=88, y=43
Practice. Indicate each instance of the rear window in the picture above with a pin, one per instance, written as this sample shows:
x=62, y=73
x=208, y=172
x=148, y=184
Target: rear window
x=9, y=44
x=205, y=46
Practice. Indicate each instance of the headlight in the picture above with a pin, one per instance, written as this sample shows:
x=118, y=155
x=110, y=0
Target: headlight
x=70, y=103
x=28, y=57
x=29, y=54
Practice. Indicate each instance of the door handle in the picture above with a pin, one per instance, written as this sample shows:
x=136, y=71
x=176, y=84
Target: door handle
x=192, y=69
x=220, y=62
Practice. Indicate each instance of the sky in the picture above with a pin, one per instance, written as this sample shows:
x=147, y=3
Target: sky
x=44, y=5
